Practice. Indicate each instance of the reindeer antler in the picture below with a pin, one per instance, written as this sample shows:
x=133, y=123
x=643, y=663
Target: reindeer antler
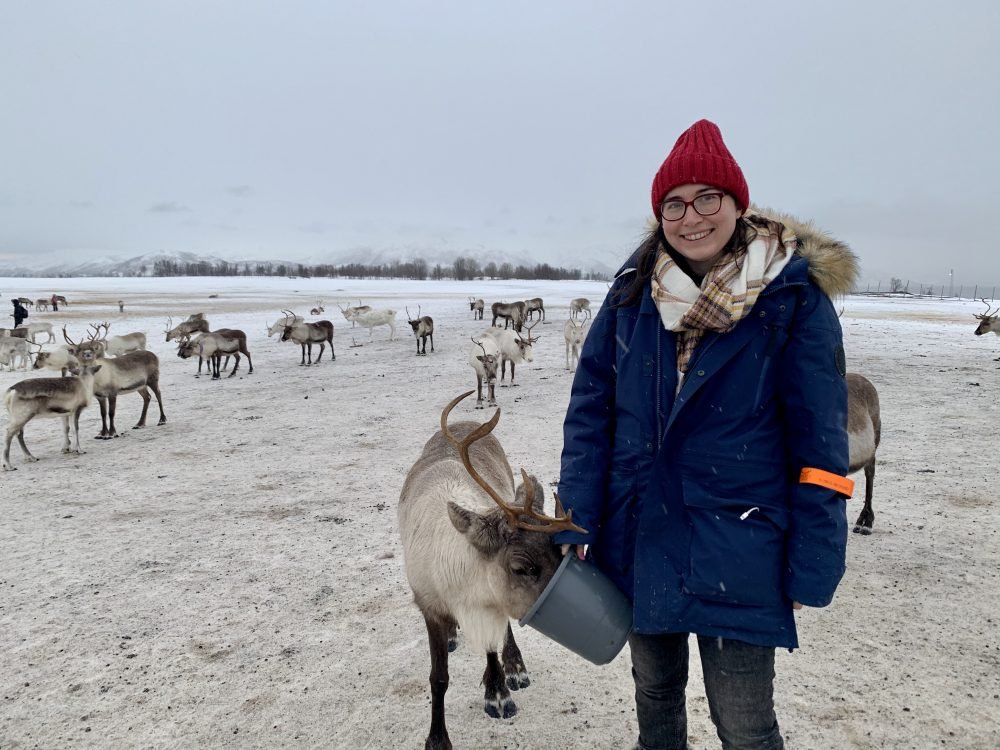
x=69, y=341
x=562, y=521
x=170, y=323
x=988, y=313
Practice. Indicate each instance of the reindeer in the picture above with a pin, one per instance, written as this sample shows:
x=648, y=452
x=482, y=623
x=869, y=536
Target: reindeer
x=513, y=314
x=60, y=299
x=533, y=305
x=864, y=431
x=989, y=322
x=423, y=327
x=514, y=348
x=485, y=360
x=34, y=329
x=374, y=318
x=574, y=334
x=578, y=306
x=15, y=350
x=26, y=302
x=318, y=310
x=47, y=397
x=136, y=371
x=213, y=345
x=279, y=325
x=350, y=313
x=42, y=304
x=62, y=358
x=477, y=552
x=195, y=323
x=307, y=334
x=476, y=306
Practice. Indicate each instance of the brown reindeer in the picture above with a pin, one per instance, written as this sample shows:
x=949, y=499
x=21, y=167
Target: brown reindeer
x=136, y=371
x=477, y=552
x=307, y=334
x=864, y=431
x=423, y=328
x=989, y=322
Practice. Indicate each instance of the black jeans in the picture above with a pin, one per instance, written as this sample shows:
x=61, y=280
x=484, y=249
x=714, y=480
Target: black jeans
x=739, y=684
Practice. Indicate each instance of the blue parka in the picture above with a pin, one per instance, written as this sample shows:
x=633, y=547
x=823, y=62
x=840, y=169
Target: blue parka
x=692, y=499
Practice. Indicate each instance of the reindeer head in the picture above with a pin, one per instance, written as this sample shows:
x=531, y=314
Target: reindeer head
x=519, y=538
x=286, y=332
x=414, y=322
x=987, y=321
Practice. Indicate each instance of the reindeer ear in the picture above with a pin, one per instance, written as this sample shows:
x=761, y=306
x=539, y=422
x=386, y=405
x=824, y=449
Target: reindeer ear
x=539, y=501
x=484, y=532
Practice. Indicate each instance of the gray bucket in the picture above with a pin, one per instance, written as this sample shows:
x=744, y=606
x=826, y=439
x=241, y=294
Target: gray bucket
x=583, y=610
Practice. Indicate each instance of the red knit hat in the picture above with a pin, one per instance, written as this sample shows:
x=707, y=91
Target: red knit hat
x=700, y=155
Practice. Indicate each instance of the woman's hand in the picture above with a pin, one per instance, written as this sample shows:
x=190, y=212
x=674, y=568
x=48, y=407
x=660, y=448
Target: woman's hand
x=795, y=605
x=581, y=551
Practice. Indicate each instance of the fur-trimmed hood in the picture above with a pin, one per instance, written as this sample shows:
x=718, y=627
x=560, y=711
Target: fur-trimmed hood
x=832, y=264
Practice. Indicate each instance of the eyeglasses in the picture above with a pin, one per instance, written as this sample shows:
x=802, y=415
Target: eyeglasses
x=705, y=204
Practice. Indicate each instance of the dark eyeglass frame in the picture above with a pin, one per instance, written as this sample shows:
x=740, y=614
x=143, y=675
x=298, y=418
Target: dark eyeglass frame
x=720, y=195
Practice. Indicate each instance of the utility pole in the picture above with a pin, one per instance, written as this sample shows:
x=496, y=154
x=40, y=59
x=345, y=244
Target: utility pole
x=951, y=283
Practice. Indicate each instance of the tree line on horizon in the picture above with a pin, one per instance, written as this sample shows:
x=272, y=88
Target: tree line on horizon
x=462, y=269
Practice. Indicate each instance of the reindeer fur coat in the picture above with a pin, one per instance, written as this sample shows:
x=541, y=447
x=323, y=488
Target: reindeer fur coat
x=691, y=498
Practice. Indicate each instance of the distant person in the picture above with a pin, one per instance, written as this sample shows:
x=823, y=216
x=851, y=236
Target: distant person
x=20, y=313
x=705, y=444
x=55, y=303
x=121, y=306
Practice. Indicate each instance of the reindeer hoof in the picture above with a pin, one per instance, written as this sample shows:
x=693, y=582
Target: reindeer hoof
x=500, y=708
x=30, y=459
x=518, y=680
x=8, y=467
x=162, y=421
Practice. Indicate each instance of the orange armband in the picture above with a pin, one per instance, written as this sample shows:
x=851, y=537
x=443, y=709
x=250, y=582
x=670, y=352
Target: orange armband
x=827, y=479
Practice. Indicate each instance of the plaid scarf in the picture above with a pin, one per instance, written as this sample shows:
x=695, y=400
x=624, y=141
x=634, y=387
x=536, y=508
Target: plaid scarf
x=727, y=294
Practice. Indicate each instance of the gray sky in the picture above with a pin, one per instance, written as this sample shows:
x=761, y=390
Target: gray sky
x=309, y=129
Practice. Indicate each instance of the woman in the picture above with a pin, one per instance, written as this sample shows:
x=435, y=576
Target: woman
x=706, y=446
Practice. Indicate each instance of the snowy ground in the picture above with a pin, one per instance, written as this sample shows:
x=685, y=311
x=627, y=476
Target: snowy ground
x=233, y=579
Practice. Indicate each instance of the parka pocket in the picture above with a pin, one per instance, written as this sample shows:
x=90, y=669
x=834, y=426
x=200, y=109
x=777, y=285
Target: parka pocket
x=737, y=550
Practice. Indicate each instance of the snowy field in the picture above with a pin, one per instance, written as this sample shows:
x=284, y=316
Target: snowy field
x=234, y=578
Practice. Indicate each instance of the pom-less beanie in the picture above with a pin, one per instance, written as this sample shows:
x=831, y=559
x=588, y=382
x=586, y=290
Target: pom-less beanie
x=700, y=156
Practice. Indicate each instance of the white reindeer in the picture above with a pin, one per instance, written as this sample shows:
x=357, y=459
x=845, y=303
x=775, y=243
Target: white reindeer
x=574, y=333
x=14, y=352
x=35, y=328
x=350, y=313
x=47, y=397
x=280, y=324
x=514, y=348
x=476, y=306
x=130, y=342
x=62, y=358
x=375, y=318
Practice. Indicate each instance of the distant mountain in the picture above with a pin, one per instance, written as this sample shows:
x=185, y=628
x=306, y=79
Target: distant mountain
x=143, y=265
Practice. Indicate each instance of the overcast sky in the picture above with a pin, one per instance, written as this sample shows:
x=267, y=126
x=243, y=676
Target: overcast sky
x=304, y=130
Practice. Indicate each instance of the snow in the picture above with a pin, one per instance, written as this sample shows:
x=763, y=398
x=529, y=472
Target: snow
x=234, y=579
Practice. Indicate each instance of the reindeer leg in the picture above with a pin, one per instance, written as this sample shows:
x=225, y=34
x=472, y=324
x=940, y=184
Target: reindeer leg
x=333, y=356
x=479, y=393
x=493, y=395
x=498, y=703
x=103, y=403
x=112, y=408
x=246, y=353
x=146, y=398
x=437, y=638
x=20, y=439
x=65, y=421
x=512, y=383
x=76, y=429
x=154, y=386
x=432, y=345
x=513, y=663
x=303, y=362
x=236, y=363
x=866, y=518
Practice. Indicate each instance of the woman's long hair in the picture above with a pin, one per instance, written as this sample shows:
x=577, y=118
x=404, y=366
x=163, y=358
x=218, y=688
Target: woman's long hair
x=746, y=232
